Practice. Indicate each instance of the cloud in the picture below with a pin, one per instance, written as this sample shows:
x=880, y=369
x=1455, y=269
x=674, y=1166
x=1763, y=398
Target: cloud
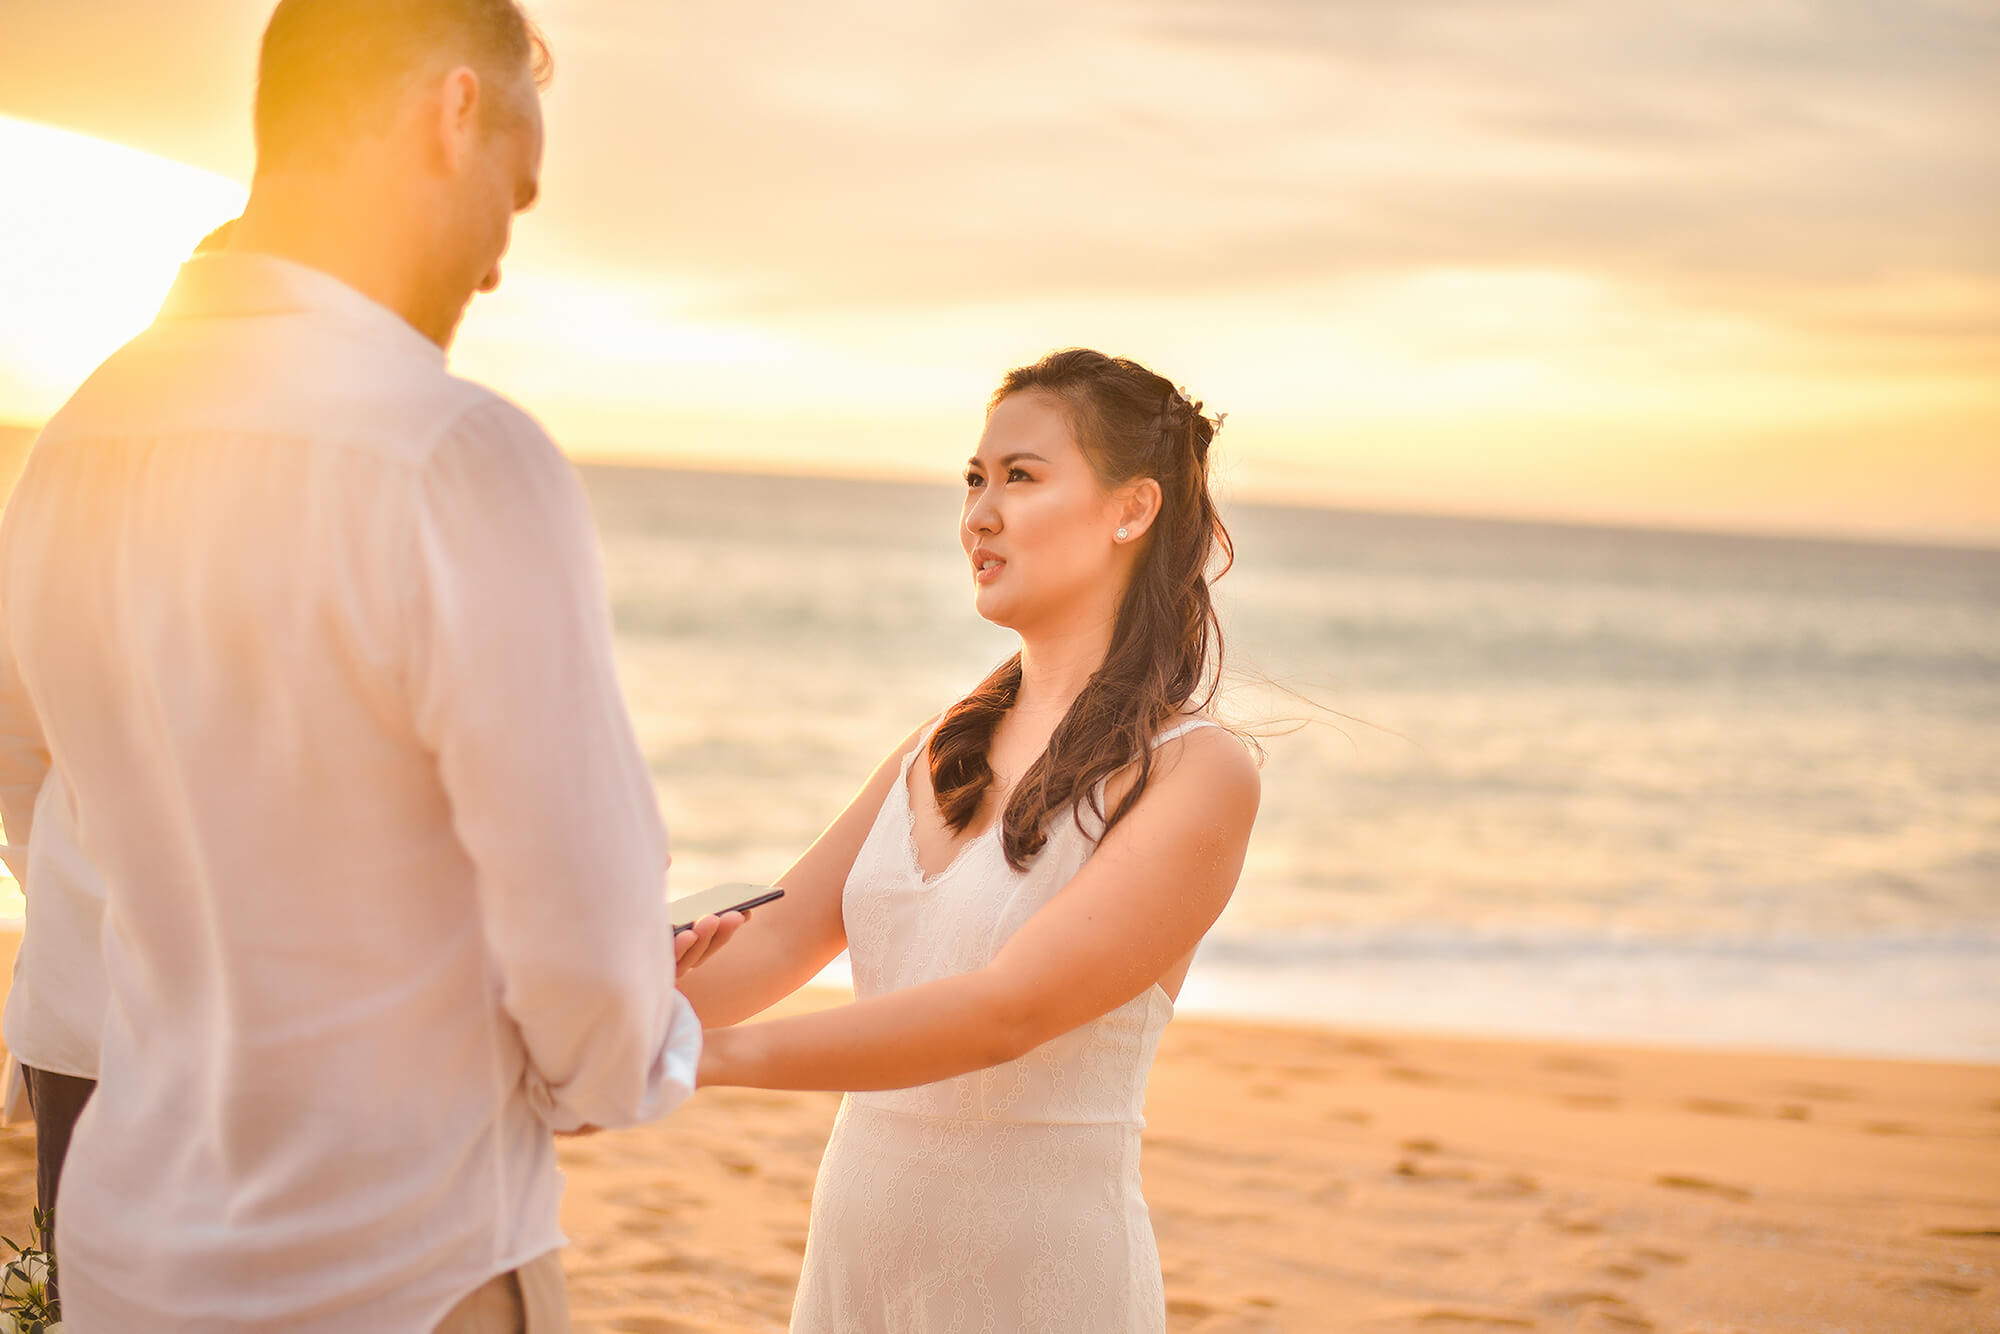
x=1755, y=214
x=908, y=156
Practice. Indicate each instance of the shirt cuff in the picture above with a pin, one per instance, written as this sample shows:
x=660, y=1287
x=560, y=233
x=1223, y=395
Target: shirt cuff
x=680, y=1058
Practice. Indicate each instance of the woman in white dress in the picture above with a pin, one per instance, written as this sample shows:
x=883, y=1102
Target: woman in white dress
x=1021, y=886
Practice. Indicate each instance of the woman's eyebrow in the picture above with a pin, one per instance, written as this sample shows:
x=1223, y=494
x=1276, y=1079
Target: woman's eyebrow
x=1009, y=459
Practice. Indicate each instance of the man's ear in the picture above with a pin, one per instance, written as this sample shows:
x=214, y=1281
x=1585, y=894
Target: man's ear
x=458, y=112
x=1138, y=506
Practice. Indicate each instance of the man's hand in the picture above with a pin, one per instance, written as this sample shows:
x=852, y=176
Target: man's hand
x=704, y=938
x=691, y=946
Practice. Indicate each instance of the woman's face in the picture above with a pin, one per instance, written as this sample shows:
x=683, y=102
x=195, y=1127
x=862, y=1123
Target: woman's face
x=1039, y=527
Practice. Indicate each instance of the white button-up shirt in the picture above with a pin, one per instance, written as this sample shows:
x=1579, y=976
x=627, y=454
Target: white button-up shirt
x=55, y=1003
x=317, y=637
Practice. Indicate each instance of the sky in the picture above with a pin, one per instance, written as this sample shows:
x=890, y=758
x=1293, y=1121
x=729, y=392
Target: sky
x=1728, y=265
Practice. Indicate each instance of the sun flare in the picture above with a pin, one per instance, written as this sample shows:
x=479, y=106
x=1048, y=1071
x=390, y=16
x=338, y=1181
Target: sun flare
x=92, y=234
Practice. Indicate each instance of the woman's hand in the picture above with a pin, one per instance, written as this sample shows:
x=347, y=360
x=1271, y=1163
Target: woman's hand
x=704, y=938
x=691, y=946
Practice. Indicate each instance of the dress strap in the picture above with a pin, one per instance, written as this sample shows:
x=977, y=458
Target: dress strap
x=1182, y=729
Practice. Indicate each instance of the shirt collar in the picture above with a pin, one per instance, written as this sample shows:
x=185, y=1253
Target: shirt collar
x=240, y=282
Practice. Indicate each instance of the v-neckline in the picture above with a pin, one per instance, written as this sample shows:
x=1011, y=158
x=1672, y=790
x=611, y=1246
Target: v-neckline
x=911, y=852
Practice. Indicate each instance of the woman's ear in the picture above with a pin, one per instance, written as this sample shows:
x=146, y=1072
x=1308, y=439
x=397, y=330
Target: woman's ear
x=1138, y=506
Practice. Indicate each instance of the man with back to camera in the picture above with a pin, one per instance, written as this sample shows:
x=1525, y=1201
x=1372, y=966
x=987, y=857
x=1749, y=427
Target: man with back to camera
x=315, y=635
x=55, y=1003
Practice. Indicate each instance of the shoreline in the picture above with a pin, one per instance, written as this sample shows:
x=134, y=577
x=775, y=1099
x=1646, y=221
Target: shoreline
x=1946, y=1001
x=1599, y=1005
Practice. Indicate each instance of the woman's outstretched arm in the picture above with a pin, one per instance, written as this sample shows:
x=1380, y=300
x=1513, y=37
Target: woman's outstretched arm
x=785, y=943
x=1141, y=903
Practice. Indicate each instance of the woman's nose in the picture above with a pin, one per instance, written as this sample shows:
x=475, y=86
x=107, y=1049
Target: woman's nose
x=982, y=517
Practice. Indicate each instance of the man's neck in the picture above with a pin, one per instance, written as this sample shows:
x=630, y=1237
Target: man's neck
x=320, y=223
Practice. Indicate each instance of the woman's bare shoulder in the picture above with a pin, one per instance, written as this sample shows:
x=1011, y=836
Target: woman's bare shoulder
x=1208, y=761
x=1212, y=751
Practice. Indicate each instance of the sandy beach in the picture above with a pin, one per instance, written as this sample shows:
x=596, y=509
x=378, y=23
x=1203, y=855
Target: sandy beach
x=1318, y=1179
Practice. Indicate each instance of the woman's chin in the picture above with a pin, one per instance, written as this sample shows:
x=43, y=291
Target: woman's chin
x=995, y=607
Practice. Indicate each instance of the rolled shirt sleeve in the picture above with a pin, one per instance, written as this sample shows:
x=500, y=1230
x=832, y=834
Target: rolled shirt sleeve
x=515, y=690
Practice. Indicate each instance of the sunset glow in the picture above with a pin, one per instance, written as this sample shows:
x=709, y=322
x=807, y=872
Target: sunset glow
x=92, y=235
x=1734, y=292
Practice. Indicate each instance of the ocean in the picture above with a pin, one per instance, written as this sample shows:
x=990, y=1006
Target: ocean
x=1539, y=780
x=1519, y=779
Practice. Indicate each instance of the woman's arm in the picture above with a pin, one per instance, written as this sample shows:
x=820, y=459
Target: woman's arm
x=787, y=942
x=1142, y=902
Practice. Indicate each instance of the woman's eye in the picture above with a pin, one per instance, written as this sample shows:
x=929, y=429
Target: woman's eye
x=974, y=479
x=1016, y=475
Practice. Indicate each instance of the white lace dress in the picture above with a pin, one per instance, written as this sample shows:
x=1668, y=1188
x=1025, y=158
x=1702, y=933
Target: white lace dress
x=1003, y=1200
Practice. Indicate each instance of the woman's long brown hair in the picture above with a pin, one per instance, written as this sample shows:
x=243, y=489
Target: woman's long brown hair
x=1166, y=647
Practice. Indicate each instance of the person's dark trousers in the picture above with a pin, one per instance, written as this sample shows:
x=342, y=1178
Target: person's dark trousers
x=56, y=1101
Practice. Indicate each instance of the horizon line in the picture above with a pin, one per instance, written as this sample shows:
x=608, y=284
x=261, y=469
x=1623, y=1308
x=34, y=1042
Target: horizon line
x=1260, y=498
x=1268, y=498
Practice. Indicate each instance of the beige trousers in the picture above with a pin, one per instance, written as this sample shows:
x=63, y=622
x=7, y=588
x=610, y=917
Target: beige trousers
x=528, y=1300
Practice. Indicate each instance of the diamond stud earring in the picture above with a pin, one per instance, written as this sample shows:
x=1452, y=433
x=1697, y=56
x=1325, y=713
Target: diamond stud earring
x=1123, y=533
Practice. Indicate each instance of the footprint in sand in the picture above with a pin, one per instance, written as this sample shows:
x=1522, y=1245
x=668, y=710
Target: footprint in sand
x=1599, y=1310
x=1422, y=1252
x=1616, y=1319
x=1820, y=1092
x=1702, y=1185
x=1415, y=1171
x=1718, y=1107
x=1965, y=1233
x=1463, y=1319
x=1513, y=1186
x=657, y=1197
x=1420, y=1146
x=1580, y=1065
x=1889, y=1128
x=1189, y=1308
x=1942, y=1287
x=1658, y=1256
x=1596, y=1102
x=670, y=1264
x=1570, y=1223
x=1353, y=1116
x=1409, y=1074
x=1333, y=1192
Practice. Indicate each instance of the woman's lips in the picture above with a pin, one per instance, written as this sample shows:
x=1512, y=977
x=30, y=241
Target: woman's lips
x=988, y=570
